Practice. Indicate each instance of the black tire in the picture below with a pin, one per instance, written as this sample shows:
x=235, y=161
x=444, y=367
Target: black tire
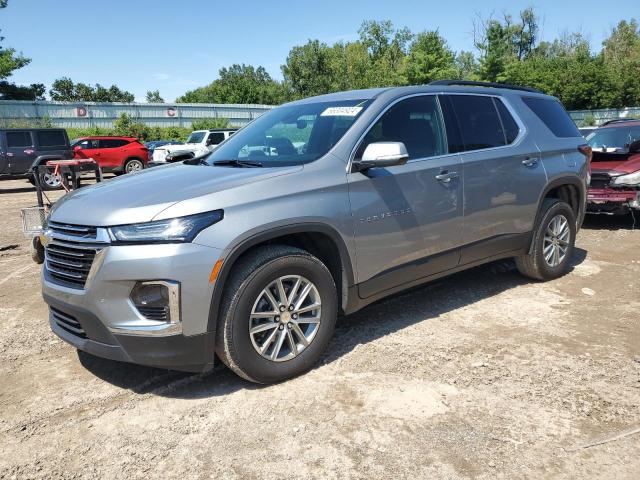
x=534, y=265
x=251, y=275
x=128, y=166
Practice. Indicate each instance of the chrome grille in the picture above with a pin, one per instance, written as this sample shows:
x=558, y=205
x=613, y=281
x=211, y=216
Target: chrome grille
x=69, y=265
x=70, y=252
x=67, y=322
x=80, y=231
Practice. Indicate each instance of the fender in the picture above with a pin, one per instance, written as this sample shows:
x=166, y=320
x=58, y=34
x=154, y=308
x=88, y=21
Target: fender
x=43, y=159
x=555, y=183
x=239, y=249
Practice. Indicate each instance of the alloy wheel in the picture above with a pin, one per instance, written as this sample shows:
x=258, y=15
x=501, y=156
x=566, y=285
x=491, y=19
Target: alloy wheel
x=285, y=318
x=51, y=180
x=133, y=166
x=556, y=241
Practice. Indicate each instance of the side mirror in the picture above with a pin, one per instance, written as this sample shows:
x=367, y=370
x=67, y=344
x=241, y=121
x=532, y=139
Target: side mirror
x=634, y=147
x=382, y=154
x=77, y=148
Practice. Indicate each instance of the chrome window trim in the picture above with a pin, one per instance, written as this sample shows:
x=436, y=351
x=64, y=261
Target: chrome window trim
x=521, y=134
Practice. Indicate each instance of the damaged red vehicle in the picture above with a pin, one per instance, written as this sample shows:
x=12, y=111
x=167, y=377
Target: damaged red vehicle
x=615, y=168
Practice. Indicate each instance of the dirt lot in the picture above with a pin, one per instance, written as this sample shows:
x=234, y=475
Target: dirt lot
x=482, y=375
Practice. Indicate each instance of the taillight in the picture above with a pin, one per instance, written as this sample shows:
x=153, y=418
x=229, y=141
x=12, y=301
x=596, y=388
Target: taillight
x=587, y=151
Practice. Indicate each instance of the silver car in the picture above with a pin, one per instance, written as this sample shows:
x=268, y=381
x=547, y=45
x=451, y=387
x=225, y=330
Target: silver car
x=318, y=207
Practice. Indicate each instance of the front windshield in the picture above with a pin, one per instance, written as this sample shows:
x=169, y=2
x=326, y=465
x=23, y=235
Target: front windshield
x=614, y=138
x=291, y=135
x=196, y=137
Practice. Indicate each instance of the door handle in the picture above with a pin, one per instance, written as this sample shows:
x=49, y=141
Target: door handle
x=446, y=177
x=530, y=162
x=9, y=154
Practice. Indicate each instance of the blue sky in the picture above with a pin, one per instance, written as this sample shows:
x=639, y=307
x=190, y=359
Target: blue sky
x=174, y=46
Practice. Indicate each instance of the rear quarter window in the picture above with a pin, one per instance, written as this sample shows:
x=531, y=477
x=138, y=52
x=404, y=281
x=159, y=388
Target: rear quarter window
x=51, y=138
x=553, y=115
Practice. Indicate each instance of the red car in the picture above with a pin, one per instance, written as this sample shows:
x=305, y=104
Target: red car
x=615, y=168
x=113, y=154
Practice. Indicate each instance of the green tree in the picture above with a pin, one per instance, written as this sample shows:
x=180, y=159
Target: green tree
x=429, y=59
x=209, y=123
x=239, y=84
x=153, y=96
x=65, y=90
x=501, y=42
x=307, y=70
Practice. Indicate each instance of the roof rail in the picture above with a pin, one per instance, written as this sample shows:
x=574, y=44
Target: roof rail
x=470, y=83
x=619, y=120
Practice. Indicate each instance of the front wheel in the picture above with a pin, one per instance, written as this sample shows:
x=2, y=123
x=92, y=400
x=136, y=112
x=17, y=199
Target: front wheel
x=133, y=165
x=553, y=243
x=278, y=314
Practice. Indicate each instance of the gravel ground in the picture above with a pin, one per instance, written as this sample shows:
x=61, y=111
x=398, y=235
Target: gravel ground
x=480, y=375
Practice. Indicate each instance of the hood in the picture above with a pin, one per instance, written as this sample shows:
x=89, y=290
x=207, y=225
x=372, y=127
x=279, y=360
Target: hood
x=141, y=196
x=619, y=163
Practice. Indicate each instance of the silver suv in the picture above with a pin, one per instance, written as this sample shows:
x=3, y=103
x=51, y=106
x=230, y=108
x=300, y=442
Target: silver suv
x=318, y=207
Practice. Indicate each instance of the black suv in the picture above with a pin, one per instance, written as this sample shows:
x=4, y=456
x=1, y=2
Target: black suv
x=22, y=149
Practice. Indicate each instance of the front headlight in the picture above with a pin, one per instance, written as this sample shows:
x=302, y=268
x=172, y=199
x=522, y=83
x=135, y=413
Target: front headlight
x=631, y=179
x=181, y=229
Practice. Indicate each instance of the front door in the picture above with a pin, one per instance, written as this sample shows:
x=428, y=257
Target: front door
x=20, y=151
x=408, y=218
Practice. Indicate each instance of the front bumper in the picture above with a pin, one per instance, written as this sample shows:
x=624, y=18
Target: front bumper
x=102, y=320
x=612, y=201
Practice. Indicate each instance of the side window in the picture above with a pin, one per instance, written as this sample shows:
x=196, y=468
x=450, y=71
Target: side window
x=215, y=138
x=553, y=115
x=479, y=121
x=416, y=122
x=51, y=138
x=112, y=143
x=510, y=127
x=19, y=139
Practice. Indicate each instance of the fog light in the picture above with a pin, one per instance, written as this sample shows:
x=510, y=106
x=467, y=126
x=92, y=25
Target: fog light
x=157, y=300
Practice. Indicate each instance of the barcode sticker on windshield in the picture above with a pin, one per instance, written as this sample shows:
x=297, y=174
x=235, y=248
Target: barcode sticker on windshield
x=341, y=112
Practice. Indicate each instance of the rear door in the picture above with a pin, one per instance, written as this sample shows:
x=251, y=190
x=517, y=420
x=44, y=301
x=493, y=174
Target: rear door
x=504, y=176
x=111, y=152
x=408, y=224
x=20, y=151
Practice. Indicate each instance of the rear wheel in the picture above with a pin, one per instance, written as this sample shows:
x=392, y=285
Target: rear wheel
x=278, y=314
x=553, y=243
x=133, y=165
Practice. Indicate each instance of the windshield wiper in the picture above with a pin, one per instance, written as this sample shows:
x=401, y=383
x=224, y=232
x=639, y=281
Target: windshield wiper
x=237, y=163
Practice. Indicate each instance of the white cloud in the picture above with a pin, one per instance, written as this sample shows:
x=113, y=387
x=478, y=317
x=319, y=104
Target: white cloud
x=161, y=76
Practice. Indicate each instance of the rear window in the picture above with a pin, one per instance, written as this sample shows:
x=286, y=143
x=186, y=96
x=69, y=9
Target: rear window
x=19, y=139
x=479, y=122
x=51, y=138
x=553, y=115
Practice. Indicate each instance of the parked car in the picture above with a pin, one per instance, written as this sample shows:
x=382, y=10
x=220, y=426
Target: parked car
x=251, y=253
x=200, y=142
x=22, y=149
x=113, y=154
x=615, y=168
x=586, y=131
x=152, y=145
